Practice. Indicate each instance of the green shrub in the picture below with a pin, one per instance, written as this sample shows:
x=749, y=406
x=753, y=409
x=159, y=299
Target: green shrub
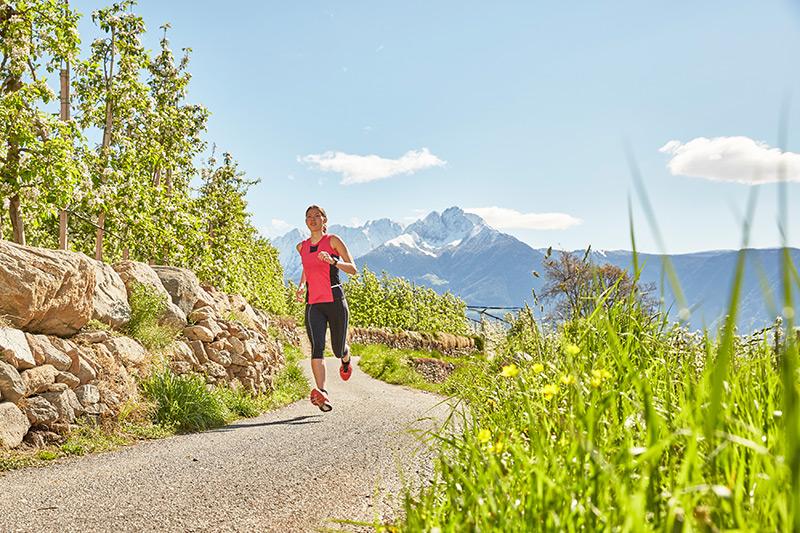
x=147, y=308
x=397, y=303
x=238, y=402
x=183, y=402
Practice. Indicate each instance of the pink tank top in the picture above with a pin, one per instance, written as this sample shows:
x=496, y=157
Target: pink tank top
x=322, y=279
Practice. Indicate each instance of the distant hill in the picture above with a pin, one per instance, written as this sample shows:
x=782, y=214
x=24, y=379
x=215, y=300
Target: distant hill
x=459, y=252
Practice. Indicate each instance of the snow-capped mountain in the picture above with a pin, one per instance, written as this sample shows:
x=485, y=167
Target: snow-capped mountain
x=458, y=252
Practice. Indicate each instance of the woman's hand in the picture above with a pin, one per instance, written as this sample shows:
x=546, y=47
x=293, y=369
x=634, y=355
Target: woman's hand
x=326, y=257
x=300, y=294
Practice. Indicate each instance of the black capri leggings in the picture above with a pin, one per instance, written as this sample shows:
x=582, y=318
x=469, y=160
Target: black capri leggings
x=318, y=316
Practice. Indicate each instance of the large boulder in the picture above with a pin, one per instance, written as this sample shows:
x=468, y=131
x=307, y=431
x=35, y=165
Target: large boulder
x=133, y=272
x=183, y=287
x=12, y=388
x=14, y=349
x=46, y=291
x=110, y=297
x=13, y=425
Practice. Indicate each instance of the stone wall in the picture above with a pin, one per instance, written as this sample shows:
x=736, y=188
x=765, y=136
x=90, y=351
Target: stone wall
x=47, y=382
x=53, y=371
x=446, y=343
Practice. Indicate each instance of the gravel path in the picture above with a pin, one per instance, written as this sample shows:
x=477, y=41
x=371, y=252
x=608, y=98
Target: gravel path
x=294, y=469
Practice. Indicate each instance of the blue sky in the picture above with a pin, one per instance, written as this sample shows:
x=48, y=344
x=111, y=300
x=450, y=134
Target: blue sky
x=520, y=111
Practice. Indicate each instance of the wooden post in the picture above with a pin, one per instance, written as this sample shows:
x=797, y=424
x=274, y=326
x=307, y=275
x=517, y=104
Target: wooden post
x=101, y=223
x=62, y=229
x=63, y=217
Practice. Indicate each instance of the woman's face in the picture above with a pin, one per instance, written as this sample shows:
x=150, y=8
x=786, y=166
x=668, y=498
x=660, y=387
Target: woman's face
x=315, y=220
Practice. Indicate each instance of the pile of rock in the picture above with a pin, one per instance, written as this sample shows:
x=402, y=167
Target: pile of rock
x=433, y=370
x=226, y=339
x=445, y=343
x=227, y=352
x=46, y=382
x=52, y=372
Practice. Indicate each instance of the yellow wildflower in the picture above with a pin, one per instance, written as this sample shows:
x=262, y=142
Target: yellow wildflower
x=510, y=371
x=498, y=447
x=599, y=376
x=484, y=435
x=572, y=349
x=568, y=379
x=549, y=390
x=538, y=368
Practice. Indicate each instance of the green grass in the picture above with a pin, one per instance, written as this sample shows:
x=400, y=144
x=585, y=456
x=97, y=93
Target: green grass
x=186, y=404
x=290, y=383
x=607, y=428
x=393, y=366
x=147, y=308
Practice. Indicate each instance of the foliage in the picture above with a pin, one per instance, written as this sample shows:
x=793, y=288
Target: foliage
x=230, y=253
x=396, y=303
x=136, y=180
x=578, y=286
x=603, y=425
x=392, y=366
x=183, y=402
x=38, y=167
x=147, y=309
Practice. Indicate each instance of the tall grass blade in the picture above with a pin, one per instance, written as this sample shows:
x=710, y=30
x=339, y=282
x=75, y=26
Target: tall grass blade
x=667, y=266
x=719, y=371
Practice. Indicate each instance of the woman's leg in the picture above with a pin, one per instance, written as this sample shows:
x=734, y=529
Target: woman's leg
x=339, y=318
x=316, y=326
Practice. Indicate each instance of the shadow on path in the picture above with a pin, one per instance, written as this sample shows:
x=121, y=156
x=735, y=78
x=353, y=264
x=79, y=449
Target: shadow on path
x=296, y=421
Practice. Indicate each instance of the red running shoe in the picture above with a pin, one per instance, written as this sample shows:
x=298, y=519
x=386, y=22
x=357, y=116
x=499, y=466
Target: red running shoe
x=345, y=373
x=320, y=399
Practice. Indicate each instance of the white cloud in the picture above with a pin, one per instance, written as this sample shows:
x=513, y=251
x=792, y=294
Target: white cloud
x=503, y=218
x=276, y=228
x=737, y=159
x=366, y=168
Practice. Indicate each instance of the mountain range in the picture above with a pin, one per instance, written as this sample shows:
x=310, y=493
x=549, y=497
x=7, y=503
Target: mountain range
x=459, y=252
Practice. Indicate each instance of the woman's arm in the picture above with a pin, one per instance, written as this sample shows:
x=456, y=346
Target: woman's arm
x=346, y=263
x=301, y=289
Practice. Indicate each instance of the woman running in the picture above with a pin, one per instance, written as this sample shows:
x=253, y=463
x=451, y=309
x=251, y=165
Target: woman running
x=323, y=256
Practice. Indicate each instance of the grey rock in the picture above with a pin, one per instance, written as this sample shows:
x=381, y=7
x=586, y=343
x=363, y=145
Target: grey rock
x=45, y=352
x=110, y=300
x=182, y=286
x=198, y=333
x=87, y=394
x=11, y=385
x=126, y=350
x=14, y=349
x=39, y=411
x=13, y=425
x=68, y=379
x=45, y=291
x=38, y=379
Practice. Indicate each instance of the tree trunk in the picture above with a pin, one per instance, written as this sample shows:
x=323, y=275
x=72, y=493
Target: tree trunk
x=169, y=182
x=17, y=224
x=101, y=224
